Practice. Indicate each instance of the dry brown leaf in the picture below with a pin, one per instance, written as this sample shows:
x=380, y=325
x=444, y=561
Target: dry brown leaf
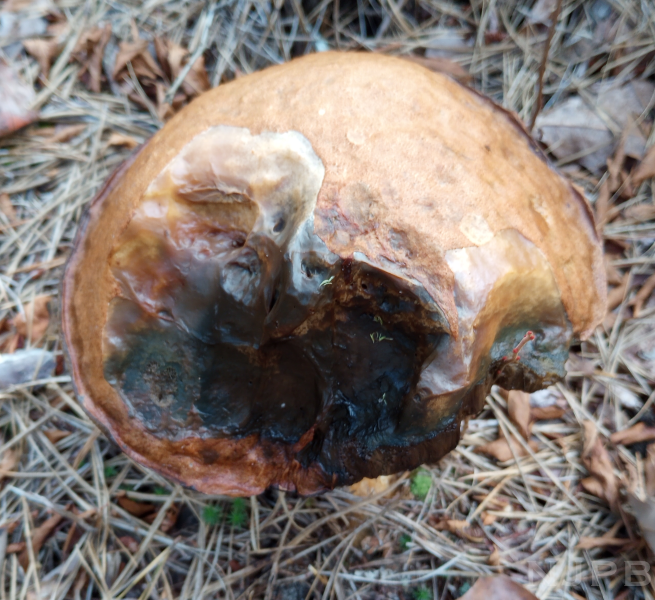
x=89, y=51
x=39, y=536
x=602, y=481
x=640, y=212
x=130, y=543
x=546, y=413
x=518, y=408
x=54, y=435
x=170, y=518
x=614, y=276
x=646, y=168
x=442, y=65
x=615, y=295
x=644, y=512
x=138, y=509
x=34, y=323
x=142, y=61
x=65, y=133
x=196, y=80
x=649, y=471
x=488, y=519
x=494, y=558
x=643, y=295
x=575, y=126
x=639, y=432
x=174, y=58
x=501, y=451
x=7, y=208
x=8, y=462
x=602, y=204
x=44, y=51
x=15, y=100
x=462, y=529
x=15, y=548
x=121, y=139
x=588, y=543
x=368, y=487
x=497, y=588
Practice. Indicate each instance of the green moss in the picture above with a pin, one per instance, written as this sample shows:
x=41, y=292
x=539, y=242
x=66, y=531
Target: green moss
x=238, y=514
x=160, y=491
x=404, y=541
x=212, y=515
x=421, y=483
x=110, y=472
x=422, y=593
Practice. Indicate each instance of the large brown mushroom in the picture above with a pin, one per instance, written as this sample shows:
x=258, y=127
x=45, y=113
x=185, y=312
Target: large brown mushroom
x=312, y=274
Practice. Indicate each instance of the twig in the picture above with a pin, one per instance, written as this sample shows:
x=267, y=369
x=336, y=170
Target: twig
x=554, y=17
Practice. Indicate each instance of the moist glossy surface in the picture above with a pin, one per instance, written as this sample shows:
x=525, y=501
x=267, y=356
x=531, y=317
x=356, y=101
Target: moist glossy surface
x=235, y=320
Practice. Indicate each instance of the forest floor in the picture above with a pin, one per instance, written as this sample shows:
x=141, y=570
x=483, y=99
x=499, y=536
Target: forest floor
x=565, y=520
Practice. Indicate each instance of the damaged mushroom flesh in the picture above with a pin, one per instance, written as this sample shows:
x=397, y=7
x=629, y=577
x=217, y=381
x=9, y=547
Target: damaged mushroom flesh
x=315, y=273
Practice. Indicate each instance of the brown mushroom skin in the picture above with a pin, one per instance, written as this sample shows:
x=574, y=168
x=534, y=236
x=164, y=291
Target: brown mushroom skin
x=313, y=274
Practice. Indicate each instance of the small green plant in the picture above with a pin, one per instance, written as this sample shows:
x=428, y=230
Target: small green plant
x=160, y=491
x=379, y=337
x=422, y=593
x=110, y=471
x=327, y=281
x=238, y=514
x=404, y=541
x=212, y=515
x=420, y=484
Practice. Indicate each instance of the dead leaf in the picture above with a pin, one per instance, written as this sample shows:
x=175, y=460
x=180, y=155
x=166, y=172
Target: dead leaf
x=39, y=537
x=494, y=558
x=169, y=520
x=488, y=519
x=615, y=295
x=34, y=322
x=15, y=548
x=89, y=51
x=602, y=481
x=8, y=209
x=639, y=432
x=518, y=409
x=643, y=295
x=138, y=509
x=120, y=139
x=588, y=543
x=174, y=59
x=500, y=450
x=15, y=99
x=9, y=461
x=44, y=51
x=462, y=529
x=644, y=512
x=368, y=487
x=137, y=54
x=497, y=588
x=640, y=212
x=646, y=168
x=55, y=435
x=130, y=543
x=66, y=133
x=439, y=64
x=649, y=471
x=546, y=413
x=574, y=127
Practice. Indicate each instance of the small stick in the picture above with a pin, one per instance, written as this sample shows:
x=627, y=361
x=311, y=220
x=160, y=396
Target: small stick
x=554, y=17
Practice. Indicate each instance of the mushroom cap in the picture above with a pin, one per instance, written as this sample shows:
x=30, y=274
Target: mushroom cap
x=383, y=172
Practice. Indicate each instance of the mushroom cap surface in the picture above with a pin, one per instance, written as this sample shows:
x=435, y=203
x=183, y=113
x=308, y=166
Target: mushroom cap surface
x=358, y=239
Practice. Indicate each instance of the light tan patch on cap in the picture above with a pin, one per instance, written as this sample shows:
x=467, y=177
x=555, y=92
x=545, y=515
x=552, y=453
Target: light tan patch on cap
x=476, y=229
